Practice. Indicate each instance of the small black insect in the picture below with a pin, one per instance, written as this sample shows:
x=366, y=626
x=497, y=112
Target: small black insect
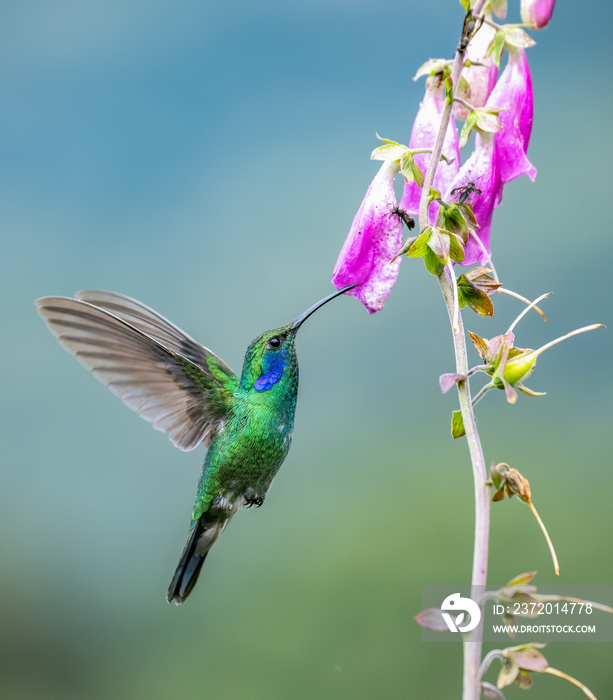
x=404, y=215
x=471, y=27
x=465, y=191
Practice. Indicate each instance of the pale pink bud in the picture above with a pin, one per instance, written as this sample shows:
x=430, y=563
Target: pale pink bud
x=536, y=13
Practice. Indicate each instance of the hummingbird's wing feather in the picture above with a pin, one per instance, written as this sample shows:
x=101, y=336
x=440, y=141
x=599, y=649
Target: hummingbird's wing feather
x=162, y=330
x=179, y=397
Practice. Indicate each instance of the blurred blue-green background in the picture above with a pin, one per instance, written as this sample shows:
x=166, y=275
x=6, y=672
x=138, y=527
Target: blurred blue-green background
x=208, y=158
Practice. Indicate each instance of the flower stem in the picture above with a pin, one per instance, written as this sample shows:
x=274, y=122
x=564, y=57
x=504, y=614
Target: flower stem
x=473, y=640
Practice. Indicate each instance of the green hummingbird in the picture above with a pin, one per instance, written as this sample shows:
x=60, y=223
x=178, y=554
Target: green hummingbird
x=186, y=391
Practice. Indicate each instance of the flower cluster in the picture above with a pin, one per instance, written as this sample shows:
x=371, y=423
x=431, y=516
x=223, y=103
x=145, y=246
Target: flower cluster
x=499, y=108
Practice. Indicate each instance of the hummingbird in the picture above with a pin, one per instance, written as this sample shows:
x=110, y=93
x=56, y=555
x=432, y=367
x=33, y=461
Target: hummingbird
x=189, y=393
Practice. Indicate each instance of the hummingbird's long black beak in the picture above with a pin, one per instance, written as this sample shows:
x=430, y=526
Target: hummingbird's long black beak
x=303, y=317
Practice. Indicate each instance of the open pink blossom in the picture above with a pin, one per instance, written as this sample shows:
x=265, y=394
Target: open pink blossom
x=374, y=239
x=423, y=135
x=482, y=169
x=536, y=13
x=481, y=78
x=513, y=94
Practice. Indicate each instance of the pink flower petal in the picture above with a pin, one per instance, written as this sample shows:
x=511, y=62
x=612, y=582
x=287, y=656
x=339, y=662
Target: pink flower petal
x=423, y=135
x=482, y=168
x=374, y=239
x=513, y=93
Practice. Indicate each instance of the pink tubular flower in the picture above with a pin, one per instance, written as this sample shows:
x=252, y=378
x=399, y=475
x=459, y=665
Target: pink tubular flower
x=536, y=13
x=423, y=135
x=499, y=157
x=482, y=169
x=374, y=239
x=481, y=79
x=513, y=94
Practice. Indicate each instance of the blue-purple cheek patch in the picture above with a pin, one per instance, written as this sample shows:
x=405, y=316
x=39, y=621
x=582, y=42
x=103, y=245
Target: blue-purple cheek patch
x=274, y=372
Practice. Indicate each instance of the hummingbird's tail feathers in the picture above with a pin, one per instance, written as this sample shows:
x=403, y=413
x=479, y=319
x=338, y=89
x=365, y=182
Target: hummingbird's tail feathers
x=204, y=533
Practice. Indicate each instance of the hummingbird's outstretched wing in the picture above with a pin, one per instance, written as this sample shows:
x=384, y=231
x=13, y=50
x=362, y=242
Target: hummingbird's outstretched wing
x=162, y=374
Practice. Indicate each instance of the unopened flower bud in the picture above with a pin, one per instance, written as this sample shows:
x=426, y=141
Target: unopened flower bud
x=536, y=13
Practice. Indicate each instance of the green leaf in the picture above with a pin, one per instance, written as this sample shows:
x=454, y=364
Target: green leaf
x=457, y=425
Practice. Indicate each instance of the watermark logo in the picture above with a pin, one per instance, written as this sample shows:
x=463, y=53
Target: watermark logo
x=460, y=605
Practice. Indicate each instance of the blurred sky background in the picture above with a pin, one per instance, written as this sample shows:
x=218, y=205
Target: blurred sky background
x=208, y=158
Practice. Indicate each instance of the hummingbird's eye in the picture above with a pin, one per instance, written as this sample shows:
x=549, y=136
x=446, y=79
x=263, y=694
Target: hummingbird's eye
x=274, y=342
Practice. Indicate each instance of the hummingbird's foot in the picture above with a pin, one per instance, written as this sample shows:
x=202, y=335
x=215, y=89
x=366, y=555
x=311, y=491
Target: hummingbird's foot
x=253, y=501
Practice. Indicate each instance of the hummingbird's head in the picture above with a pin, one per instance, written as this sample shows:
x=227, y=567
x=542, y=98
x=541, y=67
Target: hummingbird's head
x=271, y=358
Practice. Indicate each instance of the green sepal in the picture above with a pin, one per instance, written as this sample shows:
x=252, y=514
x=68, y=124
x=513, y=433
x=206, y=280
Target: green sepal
x=482, y=280
x=515, y=36
x=433, y=194
x=529, y=392
x=469, y=124
x=419, y=247
x=433, y=264
x=463, y=90
x=457, y=425
x=497, y=47
x=469, y=295
x=509, y=35
x=389, y=151
x=466, y=5
x=456, y=247
x=406, y=246
x=482, y=118
x=440, y=244
x=434, y=67
x=487, y=119
x=448, y=90
x=495, y=477
x=480, y=344
x=457, y=218
x=410, y=170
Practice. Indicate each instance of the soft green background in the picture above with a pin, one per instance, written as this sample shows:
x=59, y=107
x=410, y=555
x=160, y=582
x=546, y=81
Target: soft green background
x=207, y=158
